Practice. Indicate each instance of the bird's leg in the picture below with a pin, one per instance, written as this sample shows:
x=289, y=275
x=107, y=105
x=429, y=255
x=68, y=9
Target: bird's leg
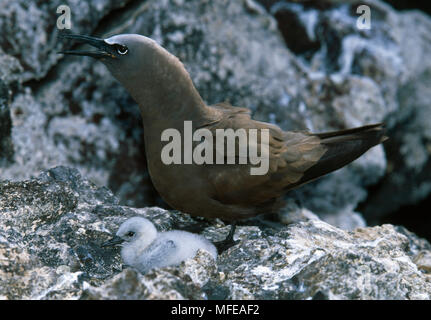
x=228, y=242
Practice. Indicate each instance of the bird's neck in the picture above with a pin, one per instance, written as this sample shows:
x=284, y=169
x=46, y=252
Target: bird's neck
x=166, y=95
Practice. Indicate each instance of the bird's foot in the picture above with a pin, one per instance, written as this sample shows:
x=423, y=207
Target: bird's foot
x=228, y=242
x=225, y=244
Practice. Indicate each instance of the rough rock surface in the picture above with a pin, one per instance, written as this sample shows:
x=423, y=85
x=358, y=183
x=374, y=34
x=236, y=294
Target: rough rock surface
x=52, y=228
x=29, y=33
x=309, y=67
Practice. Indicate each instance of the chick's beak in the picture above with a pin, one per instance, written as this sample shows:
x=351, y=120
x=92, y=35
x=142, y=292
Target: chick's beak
x=104, y=49
x=112, y=242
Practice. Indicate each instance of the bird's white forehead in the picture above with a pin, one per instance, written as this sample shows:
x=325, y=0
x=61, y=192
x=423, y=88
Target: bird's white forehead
x=112, y=40
x=128, y=38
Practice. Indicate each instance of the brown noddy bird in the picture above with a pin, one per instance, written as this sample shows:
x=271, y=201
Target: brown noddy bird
x=162, y=87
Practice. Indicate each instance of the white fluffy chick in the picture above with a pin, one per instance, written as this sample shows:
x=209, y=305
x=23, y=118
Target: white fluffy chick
x=144, y=248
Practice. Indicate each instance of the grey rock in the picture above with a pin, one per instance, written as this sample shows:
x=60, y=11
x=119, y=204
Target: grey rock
x=313, y=260
x=29, y=32
x=174, y=283
x=10, y=68
x=408, y=180
x=52, y=227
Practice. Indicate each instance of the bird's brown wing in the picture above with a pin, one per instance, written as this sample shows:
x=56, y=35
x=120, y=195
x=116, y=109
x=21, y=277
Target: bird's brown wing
x=291, y=154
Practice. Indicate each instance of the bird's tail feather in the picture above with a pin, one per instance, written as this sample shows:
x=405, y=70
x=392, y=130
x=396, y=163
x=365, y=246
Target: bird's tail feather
x=343, y=147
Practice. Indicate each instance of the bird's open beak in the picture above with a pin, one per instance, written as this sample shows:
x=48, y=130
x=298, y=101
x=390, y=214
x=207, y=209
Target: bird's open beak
x=104, y=49
x=112, y=242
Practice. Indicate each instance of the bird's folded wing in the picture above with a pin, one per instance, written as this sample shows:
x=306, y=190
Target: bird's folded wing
x=290, y=154
x=156, y=255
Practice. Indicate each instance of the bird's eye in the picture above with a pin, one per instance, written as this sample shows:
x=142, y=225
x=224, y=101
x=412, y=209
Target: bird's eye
x=121, y=49
x=130, y=234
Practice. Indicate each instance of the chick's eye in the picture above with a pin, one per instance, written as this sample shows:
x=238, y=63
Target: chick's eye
x=122, y=49
x=130, y=234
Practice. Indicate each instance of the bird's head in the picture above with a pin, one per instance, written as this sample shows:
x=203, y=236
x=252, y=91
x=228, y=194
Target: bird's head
x=123, y=54
x=133, y=229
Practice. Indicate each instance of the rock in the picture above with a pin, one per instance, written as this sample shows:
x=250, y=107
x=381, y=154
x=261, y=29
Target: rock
x=29, y=32
x=423, y=261
x=53, y=225
x=408, y=180
x=10, y=68
x=313, y=260
x=174, y=283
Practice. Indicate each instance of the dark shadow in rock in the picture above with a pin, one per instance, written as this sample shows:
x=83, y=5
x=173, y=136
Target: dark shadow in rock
x=6, y=147
x=294, y=32
x=215, y=291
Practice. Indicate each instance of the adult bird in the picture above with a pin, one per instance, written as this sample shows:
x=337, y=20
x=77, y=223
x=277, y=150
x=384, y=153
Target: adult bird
x=162, y=87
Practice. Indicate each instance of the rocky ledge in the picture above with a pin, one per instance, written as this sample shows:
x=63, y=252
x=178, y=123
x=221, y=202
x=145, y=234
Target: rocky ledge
x=53, y=226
